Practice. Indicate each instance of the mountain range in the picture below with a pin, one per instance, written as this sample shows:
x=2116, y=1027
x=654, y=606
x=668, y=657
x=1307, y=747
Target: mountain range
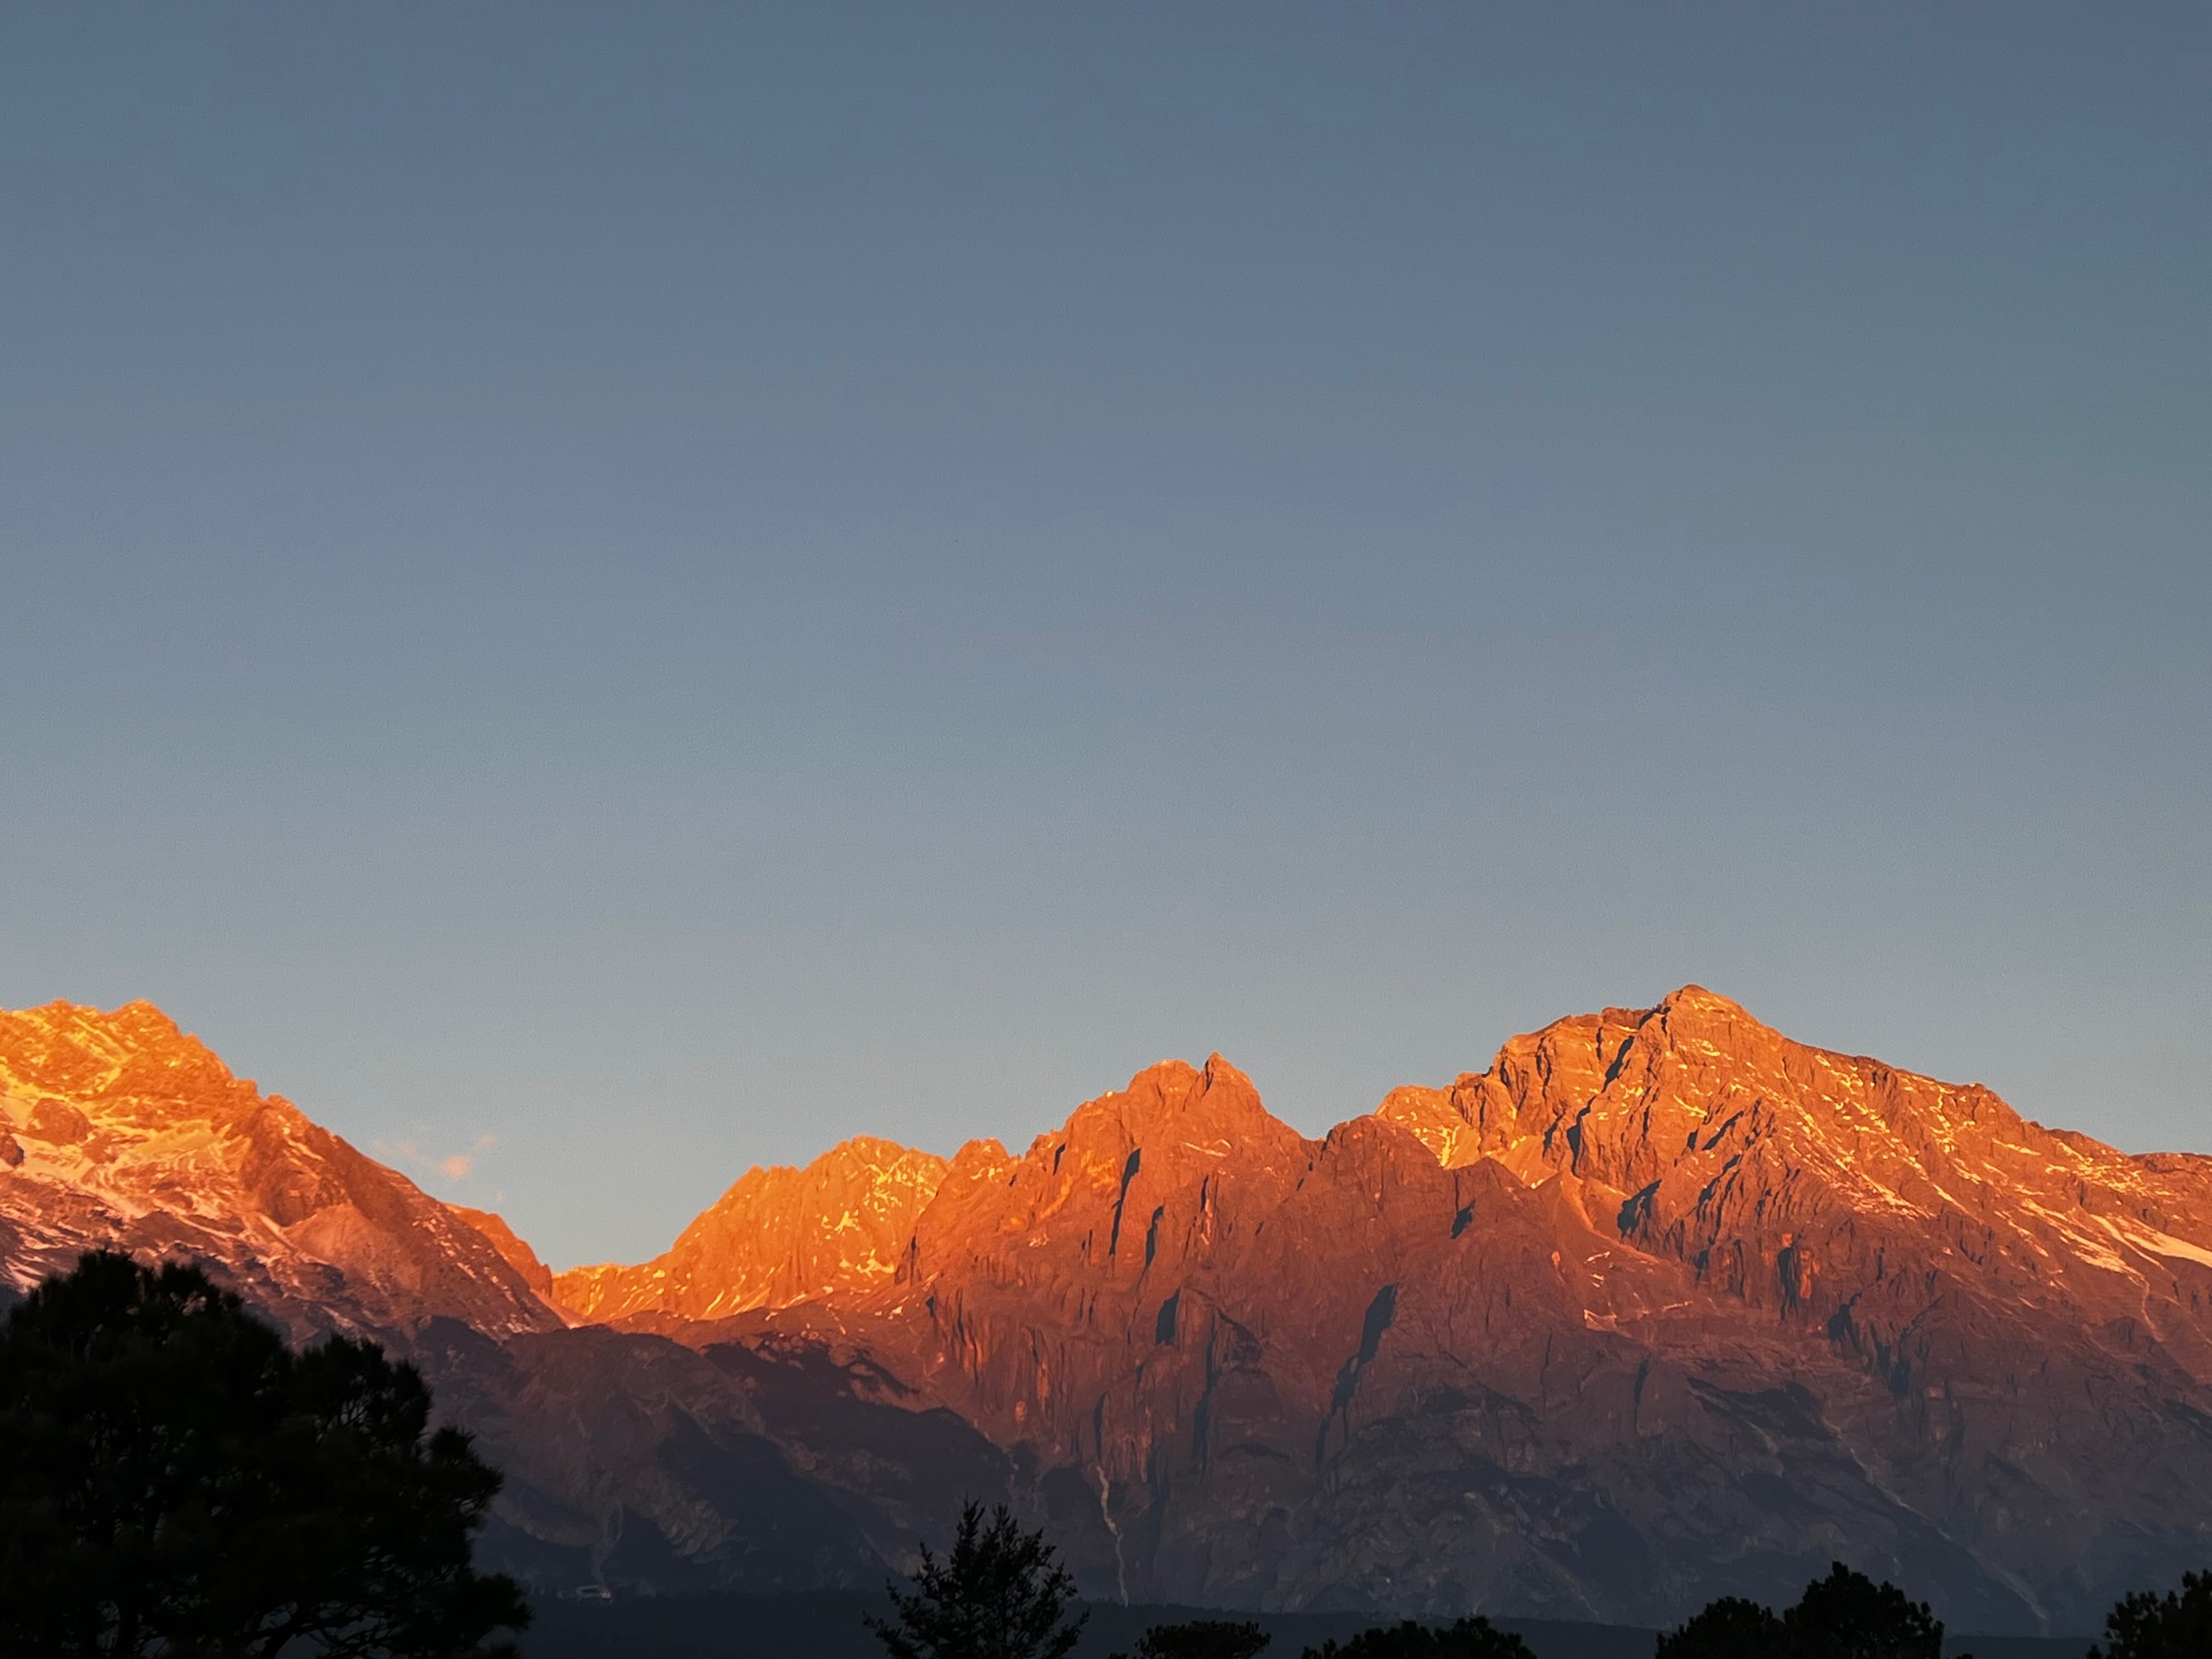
x=1659, y=1306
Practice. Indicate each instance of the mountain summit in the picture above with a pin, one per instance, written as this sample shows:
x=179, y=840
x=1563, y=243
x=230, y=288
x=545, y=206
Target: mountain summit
x=1661, y=1299
x=777, y=1236
x=118, y=1131
x=1660, y=1306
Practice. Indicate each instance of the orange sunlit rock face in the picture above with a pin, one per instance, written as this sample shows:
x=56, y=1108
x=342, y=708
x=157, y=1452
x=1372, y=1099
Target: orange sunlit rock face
x=778, y=1236
x=116, y=1130
x=1733, y=1292
x=1660, y=1306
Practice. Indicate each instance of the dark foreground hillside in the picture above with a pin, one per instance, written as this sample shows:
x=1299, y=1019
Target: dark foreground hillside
x=827, y=1626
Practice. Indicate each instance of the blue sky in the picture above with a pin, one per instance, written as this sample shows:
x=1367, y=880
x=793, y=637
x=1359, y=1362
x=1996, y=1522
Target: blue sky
x=620, y=591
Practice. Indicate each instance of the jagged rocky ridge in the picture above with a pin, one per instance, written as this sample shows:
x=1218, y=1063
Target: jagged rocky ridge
x=1662, y=1306
x=117, y=1129
x=628, y=1455
x=780, y=1236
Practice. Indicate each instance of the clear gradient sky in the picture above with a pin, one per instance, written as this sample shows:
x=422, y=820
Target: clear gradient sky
x=616, y=592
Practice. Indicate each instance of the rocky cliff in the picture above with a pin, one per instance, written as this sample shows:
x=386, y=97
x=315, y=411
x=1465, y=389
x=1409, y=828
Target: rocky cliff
x=779, y=1235
x=116, y=1130
x=627, y=1455
x=1660, y=1306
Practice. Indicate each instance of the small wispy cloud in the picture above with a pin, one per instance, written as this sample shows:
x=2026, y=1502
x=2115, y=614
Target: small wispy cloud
x=458, y=1166
x=451, y=1166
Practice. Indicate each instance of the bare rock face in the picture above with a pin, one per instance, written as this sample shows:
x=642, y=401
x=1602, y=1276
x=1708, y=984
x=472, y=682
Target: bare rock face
x=629, y=1459
x=133, y=1136
x=1663, y=1306
x=778, y=1236
x=518, y=1254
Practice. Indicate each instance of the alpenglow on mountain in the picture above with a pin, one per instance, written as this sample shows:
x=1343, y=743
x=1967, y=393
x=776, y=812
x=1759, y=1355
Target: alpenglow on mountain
x=1662, y=1306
